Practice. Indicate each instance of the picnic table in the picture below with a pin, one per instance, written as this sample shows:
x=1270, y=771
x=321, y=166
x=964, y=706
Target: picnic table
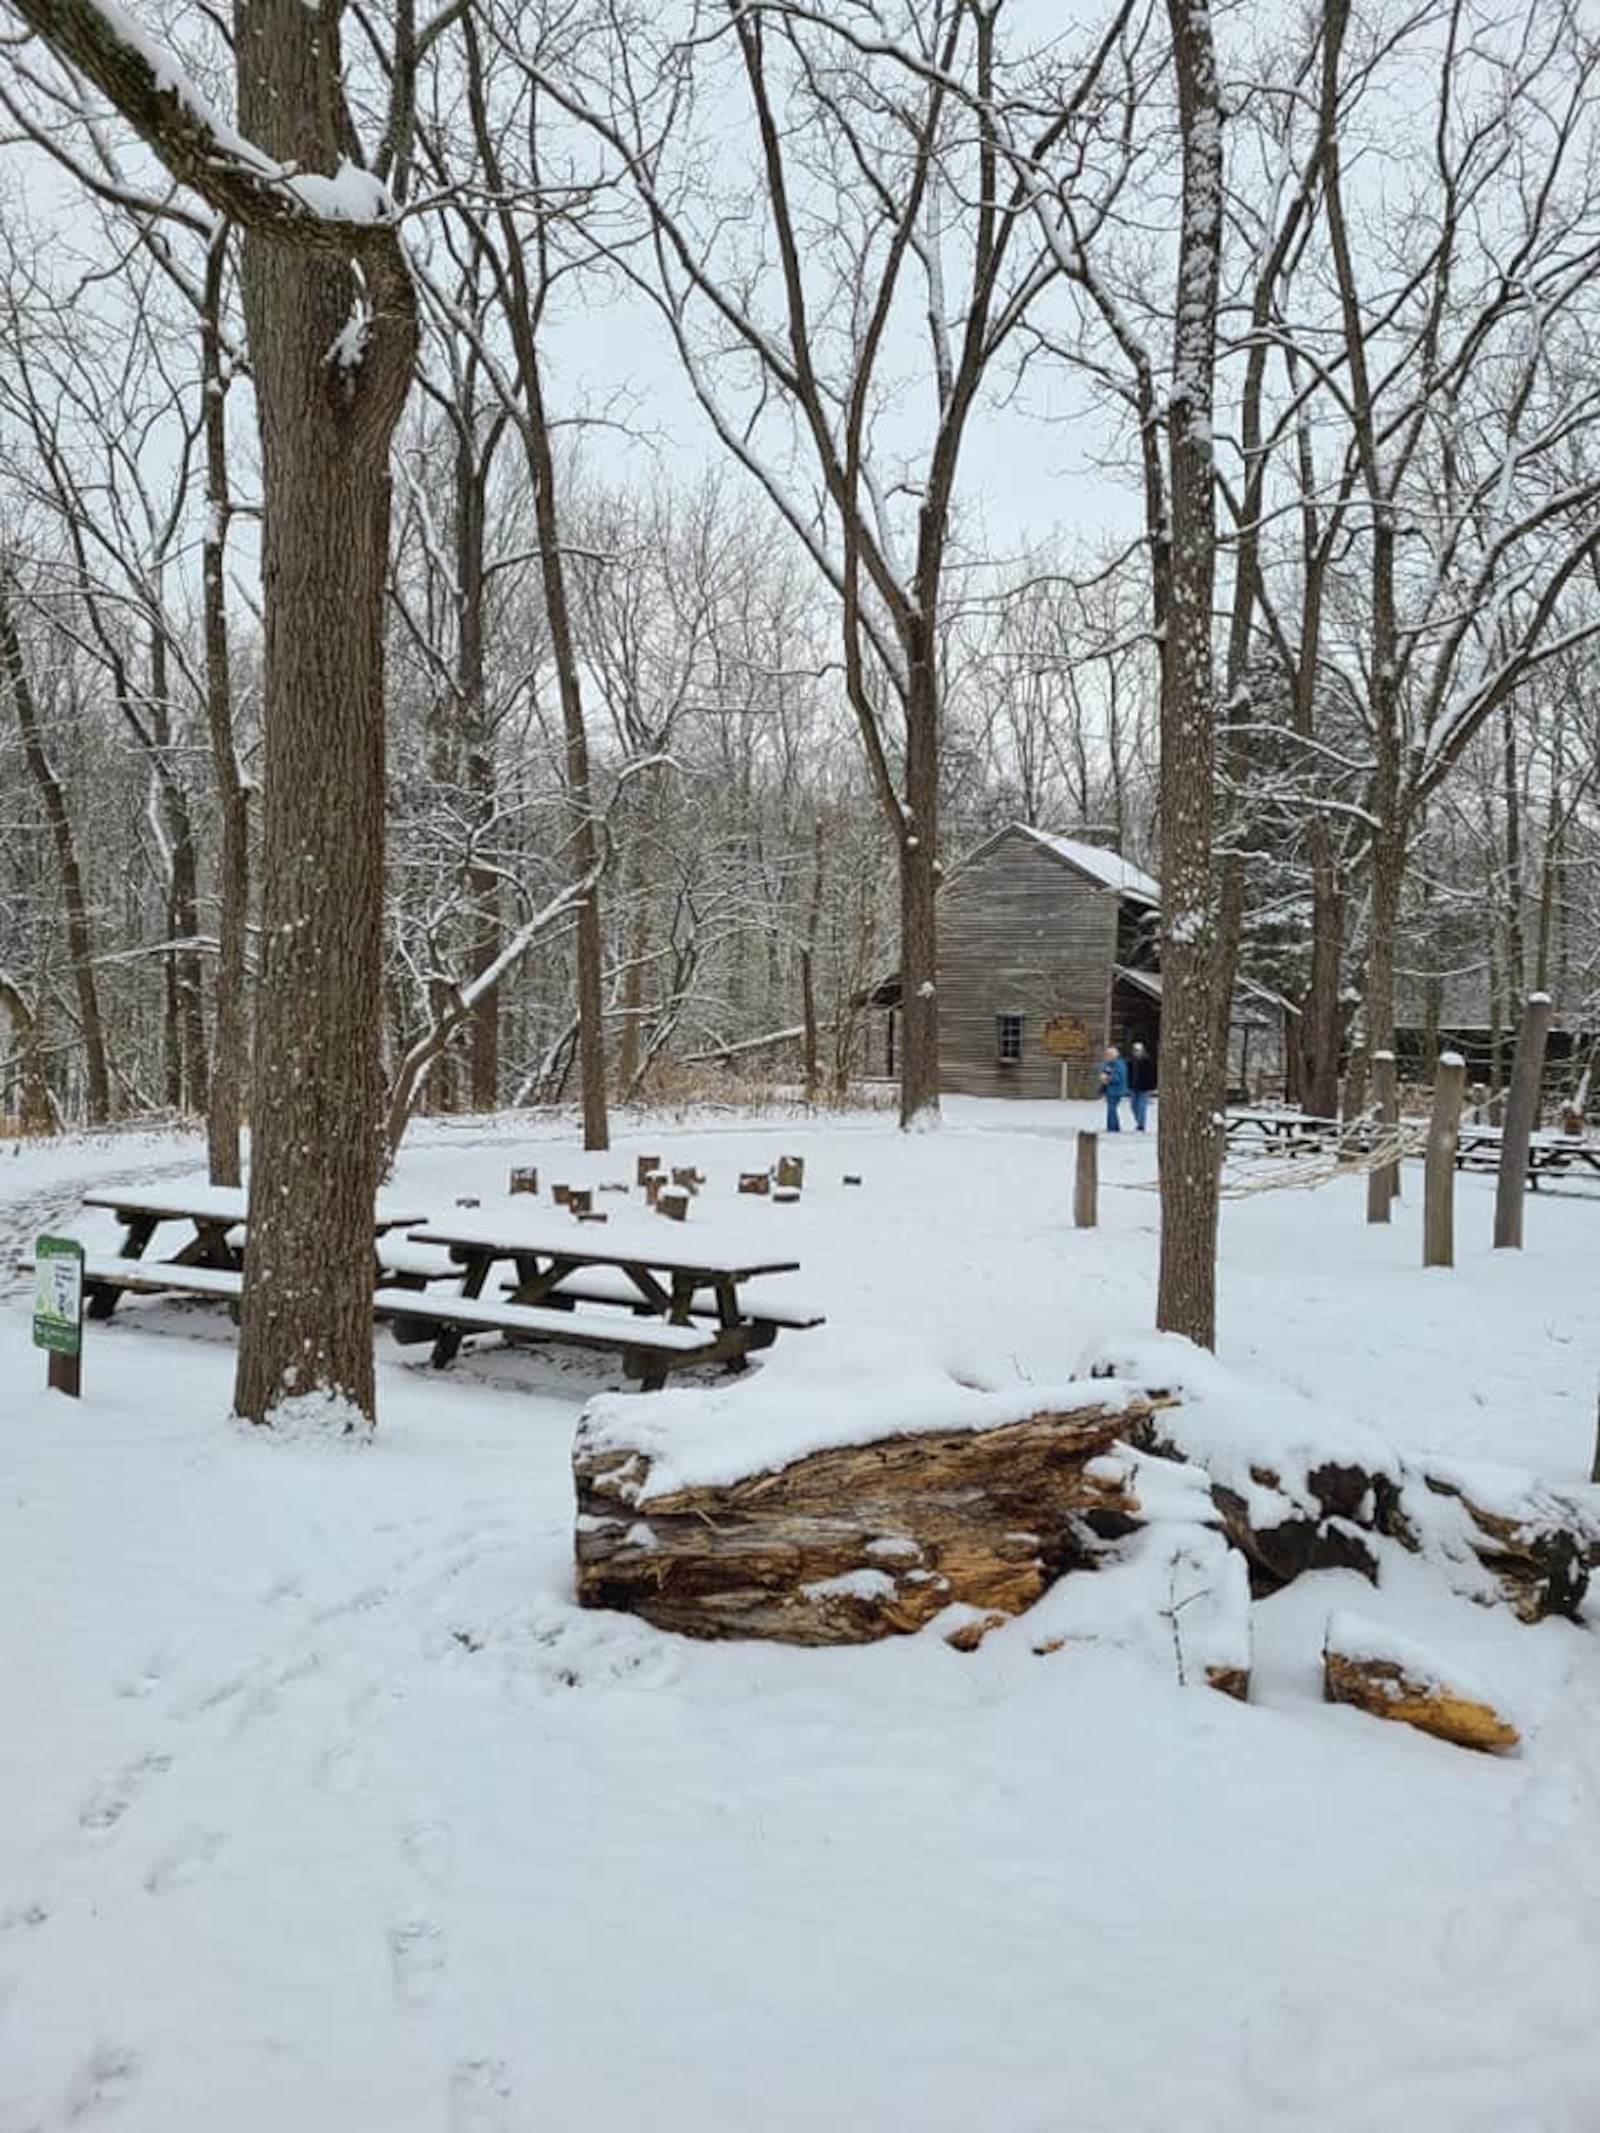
x=1549, y=1154
x=209, y=1258
x=1259, y=1128
x=663, y=1300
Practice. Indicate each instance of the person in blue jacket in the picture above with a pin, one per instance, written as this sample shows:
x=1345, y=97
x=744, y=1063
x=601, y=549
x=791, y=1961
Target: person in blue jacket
x=1113, y=1086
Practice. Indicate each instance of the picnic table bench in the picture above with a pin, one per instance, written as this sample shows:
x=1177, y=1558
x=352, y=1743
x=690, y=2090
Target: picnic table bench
x=1264, y=1128
x=209, y=1259
x=1549, y=1154
x=660, y=1302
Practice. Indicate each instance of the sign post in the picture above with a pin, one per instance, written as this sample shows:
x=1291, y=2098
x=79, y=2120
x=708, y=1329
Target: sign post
x=58, y=1310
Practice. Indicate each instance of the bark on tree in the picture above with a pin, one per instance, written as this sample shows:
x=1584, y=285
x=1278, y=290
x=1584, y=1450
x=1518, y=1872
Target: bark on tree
x=229, y=1014
x=326, y=424
x=36, y=1114
x=1192, y=1068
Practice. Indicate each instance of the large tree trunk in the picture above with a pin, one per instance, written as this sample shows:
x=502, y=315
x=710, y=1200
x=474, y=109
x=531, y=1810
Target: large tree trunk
x=225, y=1093
x=326, y=425
x=1192, y=1068
x=1322, y=1024
x=861, y=1541
x=919, y=883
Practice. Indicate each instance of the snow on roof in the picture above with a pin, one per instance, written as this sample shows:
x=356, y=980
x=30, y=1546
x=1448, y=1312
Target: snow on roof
x=1101, y=865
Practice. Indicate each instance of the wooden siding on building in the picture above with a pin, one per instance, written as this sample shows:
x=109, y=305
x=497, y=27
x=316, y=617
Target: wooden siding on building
x=1021, y=933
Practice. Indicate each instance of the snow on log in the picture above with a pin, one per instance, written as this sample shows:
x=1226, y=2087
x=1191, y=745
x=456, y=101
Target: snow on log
x=845, y=1542
x=1365, y=1664
x=1539, y=1543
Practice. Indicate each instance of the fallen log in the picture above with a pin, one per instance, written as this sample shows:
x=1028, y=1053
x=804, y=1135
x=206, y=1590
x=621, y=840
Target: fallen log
x=1539, y=1543
x=857, y=1541
x=1390, y=1677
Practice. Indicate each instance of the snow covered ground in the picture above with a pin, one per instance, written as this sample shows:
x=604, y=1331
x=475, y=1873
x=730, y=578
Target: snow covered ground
x=322, y=1806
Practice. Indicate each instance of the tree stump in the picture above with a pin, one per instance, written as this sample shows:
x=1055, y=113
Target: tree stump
x=525, y=1179
x=757, y=1181
x=646, y=1168
x=792, y=1171
x=580, y=1200
x=673, y=1202
x=856, y=1542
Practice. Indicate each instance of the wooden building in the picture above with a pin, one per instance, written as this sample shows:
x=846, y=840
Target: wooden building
x=1047, y=952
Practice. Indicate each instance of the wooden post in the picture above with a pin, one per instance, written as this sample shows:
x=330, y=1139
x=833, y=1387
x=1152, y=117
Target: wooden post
x=1439, y=1175
x=1385, y=1115
x=1522, y=1115
x=646, y=1168
x=1086, y=1190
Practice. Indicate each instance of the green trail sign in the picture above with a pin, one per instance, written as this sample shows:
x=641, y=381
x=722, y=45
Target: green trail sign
x=58, y=1307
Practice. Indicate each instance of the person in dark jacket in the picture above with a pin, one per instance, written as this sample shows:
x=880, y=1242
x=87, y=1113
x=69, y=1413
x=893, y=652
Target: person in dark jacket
x=1141, y=1083
x=1113, y=1086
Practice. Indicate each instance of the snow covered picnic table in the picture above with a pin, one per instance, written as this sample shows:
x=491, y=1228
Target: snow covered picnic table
x=663, y=1304
x=209, y=1260
x=1256, y=1129
x=1549, y=1154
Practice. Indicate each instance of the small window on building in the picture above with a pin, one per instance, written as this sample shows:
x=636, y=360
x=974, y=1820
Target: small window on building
x=1008, y=1039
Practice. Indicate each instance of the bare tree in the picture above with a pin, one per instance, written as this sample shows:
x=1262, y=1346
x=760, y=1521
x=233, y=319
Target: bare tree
x=840, y=325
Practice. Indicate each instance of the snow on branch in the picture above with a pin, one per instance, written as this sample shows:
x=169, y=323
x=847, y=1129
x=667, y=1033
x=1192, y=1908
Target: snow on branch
x=149, y=86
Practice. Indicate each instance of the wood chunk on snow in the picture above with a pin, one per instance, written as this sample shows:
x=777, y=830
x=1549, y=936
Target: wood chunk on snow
x=1365, y=1664
x=848, y=1542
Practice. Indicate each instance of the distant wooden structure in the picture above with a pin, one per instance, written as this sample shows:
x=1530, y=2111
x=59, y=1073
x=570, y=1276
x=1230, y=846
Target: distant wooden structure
x=1047, y=953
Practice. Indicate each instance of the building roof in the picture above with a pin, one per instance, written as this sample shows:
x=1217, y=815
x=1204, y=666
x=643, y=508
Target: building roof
x=1108, y=868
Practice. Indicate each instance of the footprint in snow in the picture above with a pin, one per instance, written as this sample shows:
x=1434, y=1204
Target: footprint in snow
x=480, y=2096
x=417, y=1958
x=107, y=2077
x=184, y=1860
x=341, y=1768
x=1282, y=2056
x=113, y=1796
x=428, y=1847
x=147, y=1678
